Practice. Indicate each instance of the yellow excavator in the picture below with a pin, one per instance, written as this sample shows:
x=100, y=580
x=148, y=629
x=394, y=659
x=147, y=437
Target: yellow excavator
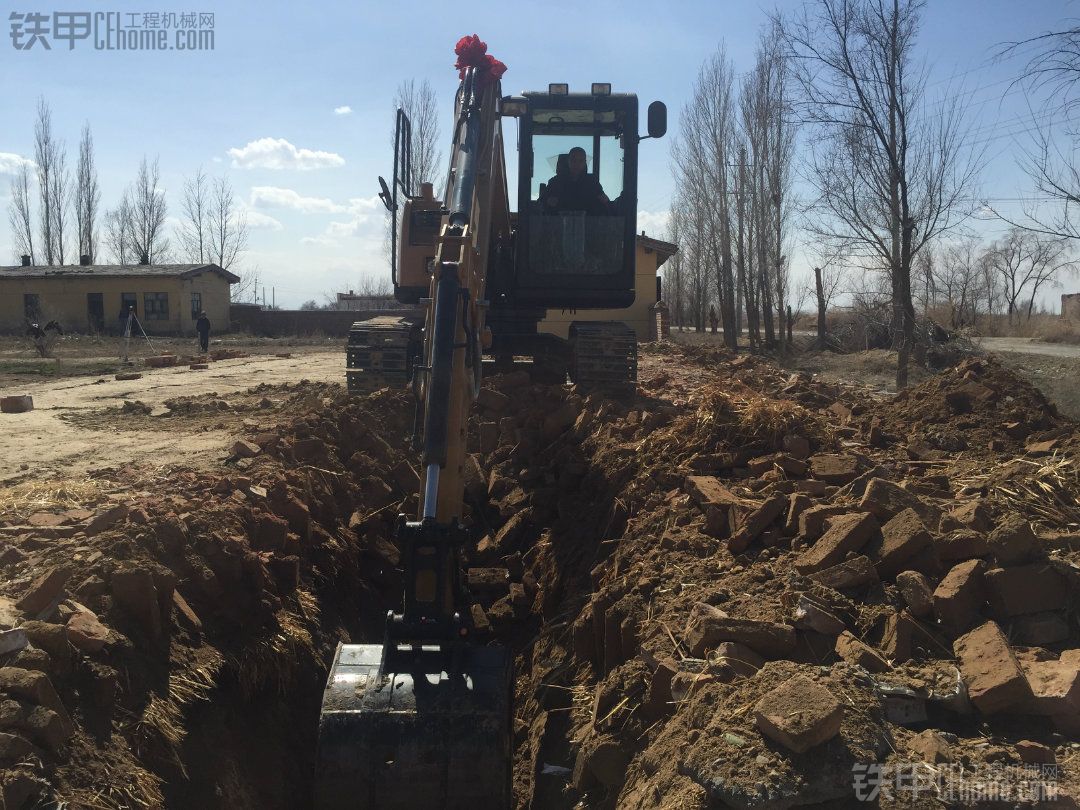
x=425, y=719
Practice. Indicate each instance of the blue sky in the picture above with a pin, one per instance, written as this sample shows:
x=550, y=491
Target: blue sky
x=261, y=106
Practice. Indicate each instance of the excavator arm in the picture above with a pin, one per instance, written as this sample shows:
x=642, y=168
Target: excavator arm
x=425, y=718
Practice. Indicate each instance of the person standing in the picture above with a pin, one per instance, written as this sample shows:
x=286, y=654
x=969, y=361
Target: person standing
x=202, y=326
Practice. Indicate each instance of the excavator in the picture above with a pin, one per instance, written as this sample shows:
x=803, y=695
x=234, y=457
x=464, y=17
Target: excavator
x=425, y=719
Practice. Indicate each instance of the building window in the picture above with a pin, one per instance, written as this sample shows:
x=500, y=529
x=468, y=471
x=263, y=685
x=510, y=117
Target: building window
x=196, y=305
x=156, y=306
x=128, y=303
x=31, y=306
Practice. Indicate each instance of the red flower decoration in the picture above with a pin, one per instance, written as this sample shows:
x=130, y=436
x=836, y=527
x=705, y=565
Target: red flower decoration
x=472, y=53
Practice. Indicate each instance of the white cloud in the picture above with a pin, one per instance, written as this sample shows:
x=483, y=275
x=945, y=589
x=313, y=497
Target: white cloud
x=10, y=163
x=257, y=219
x=364, y=221
x=343, y=110
x=323, y=240
x=275, y=197
x=654, y=223
x=278, y=153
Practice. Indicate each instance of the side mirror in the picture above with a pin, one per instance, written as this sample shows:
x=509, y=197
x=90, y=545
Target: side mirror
x=657, y=119
x=385, y=195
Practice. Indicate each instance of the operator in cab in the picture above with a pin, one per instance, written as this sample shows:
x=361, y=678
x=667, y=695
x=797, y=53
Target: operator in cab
x=576, y=189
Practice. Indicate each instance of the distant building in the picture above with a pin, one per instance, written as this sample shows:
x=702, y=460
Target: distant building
x=641, y=316
x=167, y=298
x=1070, y=307
x=356, y=302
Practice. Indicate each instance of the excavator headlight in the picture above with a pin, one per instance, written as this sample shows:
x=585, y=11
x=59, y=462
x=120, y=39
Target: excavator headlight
x=601, y=88
x=558, y=89
x=513, y=106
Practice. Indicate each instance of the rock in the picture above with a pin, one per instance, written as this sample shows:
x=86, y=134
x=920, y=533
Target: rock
x=1039, y=629
x=902, y=537
x=604, y=759
x=812, y=521
x=800, y=714
x=915, y=589
x=106, y=520
x=766, y=638
x=491, y=400
x=13, y=748
x=1032, y=588
x=846, y=534
x=756, y=522
x=1034, y=753
x=971, y=515
x=797, y=504
x=852, y=573
x=960, y=596
x=811, y=616
x=492, y=582
x=271, y=533
x=931, y=747
x=897, y=640
x=52, y=638
x=86, y=632
x=245, y=449
x=42, y=725
x=739, y=658
x=1055, y=687
x=44, y=591
x=834, y=469
x=12, y=641
x=508, y=538
x=35, y=687
x=1013, y=541
x=311, y=449
x=854, y=651
x=961, y=545
x=188, y=617
x=135, y=592
x=658, y=699
x=991, y=673
x=884, y=500
x=797, y=446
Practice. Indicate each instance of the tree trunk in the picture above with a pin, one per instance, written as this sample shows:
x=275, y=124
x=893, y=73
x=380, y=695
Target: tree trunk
x=820, y=290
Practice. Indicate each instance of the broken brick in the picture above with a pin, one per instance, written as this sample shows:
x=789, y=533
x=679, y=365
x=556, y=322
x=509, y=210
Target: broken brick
x=812, y=521
x=846, y=534
x=972, y=515
x=756, y=522
x=902, y=537
x=834, y=469
x=1032, y=588
x=44, y=591
x=852, y=573
x=884, y=500
x=915, y=589
x=766, y=638
x=1012, y=541
x=799, y=714
x=993, y=677
x=959, y=597
x=854, y=651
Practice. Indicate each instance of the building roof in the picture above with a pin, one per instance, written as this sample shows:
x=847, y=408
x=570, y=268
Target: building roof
x=129, y=270
x=663, y=250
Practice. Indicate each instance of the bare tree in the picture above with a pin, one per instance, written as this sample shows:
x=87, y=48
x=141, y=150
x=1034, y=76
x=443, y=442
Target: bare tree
x=193, y=232
x=146, y=234
x=47, y=155
x=227, y=226
x=87, y=196
x=1054, y=71
x=704, y=161
x=674, y=281
x=889, y=177
x=1026, y=261
x=420, y=104
x=118, y=228
x=20, y=213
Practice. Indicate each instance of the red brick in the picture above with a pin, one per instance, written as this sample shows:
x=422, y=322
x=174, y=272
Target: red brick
x=834, y=469
x=856, y=652
x=902, y=537
x=799, y=714
x=853, y=573
x=846, y=533
x=898, y=640
x=961, y=545
x=1026, y=589
x=44, y=590
x=1055, y=687
x=16, y=404
x=884, y=499
x=993, y=677
x=915, y=589
x=960, y=596
x=766, y=638
x=756, y=522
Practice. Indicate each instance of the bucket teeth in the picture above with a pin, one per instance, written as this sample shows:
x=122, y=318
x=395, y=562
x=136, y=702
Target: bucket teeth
x=380, y=354
x=605, y=355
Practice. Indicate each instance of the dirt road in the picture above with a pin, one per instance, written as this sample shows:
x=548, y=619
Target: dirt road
x=78, y=423
x=1028, y=346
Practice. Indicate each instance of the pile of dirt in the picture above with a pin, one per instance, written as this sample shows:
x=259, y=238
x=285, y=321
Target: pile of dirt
x=738, y=587
x=166, y=642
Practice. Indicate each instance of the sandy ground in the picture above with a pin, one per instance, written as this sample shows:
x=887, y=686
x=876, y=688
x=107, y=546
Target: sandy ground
x=57, y=438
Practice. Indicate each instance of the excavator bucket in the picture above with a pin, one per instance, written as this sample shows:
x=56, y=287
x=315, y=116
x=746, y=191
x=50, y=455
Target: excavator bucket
x=416, y=727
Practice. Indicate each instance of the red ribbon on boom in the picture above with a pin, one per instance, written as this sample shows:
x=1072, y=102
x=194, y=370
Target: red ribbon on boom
x=472, y=53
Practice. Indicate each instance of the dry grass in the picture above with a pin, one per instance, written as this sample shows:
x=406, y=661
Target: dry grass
x=28, y=497
x=742, y=417
x=1045, y=492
